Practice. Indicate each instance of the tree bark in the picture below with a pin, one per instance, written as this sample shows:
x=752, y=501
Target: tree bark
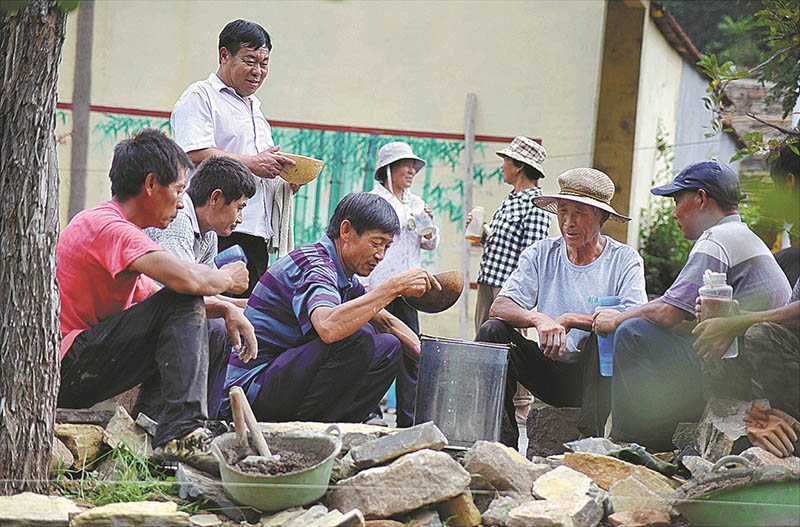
x=30, y=47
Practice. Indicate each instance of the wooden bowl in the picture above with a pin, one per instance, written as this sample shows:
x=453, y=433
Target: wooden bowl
x=304, y=171
x=434, y=301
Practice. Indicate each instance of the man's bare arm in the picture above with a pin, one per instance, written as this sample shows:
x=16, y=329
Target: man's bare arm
x=658, y=312
x=190, y=278
x=266, y=164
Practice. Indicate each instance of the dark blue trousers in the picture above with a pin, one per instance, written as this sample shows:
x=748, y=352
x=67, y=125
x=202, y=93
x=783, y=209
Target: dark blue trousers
x=657, y=383
x=406, y=387
x=337, y=382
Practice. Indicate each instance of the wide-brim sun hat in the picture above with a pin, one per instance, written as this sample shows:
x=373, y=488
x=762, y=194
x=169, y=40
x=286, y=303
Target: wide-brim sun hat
x=583, y=185
x=395, y=151
x=525, y=150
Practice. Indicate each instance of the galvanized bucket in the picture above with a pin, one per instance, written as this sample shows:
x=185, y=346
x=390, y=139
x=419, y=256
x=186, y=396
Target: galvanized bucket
x=270, y=493
x=460, y=388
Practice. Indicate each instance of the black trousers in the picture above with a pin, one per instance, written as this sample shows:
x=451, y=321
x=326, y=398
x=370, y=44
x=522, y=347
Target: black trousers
x=255, y=248
x=406, y=387
x=556, y=383
x=161, y=343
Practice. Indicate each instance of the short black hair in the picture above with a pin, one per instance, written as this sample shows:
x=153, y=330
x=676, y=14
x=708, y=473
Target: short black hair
x=365, y=211
x=530, y=172
x=243, y=33
x=787, y=162
x=147, y=151
x=224, y=173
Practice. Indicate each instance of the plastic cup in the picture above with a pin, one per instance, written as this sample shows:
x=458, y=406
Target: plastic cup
x=424, y=224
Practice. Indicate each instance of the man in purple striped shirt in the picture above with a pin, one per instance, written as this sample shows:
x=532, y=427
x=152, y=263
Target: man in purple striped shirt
x=327, y=348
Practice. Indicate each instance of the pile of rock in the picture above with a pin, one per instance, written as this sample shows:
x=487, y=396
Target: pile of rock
x=392, y=478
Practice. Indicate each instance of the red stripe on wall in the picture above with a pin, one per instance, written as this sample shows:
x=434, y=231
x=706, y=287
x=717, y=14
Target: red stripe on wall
x=310, y=126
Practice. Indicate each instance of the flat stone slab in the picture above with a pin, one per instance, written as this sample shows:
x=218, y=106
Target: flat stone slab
x=121, y=430
x=135, y=514
x=580, y=497
x=84, y=441
x=548, y=428
x=60, y=456
x=502, y=467
x=539, y=513
x=404, y=441
x=631, y=495
x=639, y=519
x=607, y=470
x=408, y=483
x=497, y=512
x=22, y=510
x=196, y=484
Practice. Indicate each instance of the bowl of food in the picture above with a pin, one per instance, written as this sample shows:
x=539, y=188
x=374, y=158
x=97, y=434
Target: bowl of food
x=305, y=169
x=435, y=301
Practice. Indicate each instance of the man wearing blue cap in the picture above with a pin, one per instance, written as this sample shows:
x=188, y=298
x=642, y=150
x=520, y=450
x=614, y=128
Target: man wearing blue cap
x=658, y=377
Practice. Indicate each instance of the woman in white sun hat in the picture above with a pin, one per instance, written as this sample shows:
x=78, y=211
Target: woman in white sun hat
x=555, y=289
x=397, y=166
x=515, y=225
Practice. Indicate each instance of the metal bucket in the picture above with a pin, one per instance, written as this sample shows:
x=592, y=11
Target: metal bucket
x=460, y=388
x=269, y=493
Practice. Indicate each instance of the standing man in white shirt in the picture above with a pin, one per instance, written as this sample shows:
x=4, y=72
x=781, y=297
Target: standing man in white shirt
x=221, y=116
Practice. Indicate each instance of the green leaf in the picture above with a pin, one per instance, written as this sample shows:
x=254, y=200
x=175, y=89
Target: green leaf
x=68, y=5
x=12, y=6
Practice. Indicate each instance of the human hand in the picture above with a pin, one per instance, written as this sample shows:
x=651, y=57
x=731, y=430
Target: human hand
x=469, y=220
x=552, y=337
x=428, y=211
x=294, y=188
x=268, y=163
x=241, y=278
x=772, y=429
x=715, y=307
x=605, y=321
x=715, y=337
x=414, y=282
x=239, y=327
x=409, y=340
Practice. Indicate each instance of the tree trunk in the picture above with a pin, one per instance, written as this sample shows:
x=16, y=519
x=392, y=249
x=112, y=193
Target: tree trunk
x=30, y=47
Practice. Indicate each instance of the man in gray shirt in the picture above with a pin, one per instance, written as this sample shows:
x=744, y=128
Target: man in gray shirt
x=563, y=278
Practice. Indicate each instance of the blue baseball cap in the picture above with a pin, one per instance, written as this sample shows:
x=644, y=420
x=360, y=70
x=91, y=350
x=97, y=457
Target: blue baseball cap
x=717, y=179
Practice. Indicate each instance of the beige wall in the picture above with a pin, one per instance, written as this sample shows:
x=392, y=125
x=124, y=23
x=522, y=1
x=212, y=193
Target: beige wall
x=659, y=87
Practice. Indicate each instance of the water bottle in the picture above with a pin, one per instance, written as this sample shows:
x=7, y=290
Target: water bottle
x=715, y=288
x=230, y=255
x=605, y=345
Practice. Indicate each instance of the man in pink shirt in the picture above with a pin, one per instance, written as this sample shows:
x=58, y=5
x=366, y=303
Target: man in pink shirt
x=105, y=264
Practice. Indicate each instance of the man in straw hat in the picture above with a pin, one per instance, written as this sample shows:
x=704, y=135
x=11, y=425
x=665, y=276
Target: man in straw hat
x=327, y=348
x=515, y=225
x=222, y=116
x=658, y=376
x=562, y=277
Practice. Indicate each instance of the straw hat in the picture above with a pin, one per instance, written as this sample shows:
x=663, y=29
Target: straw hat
x=306, y=169
x=525, y=150
x=583, y=185
x=395, y=151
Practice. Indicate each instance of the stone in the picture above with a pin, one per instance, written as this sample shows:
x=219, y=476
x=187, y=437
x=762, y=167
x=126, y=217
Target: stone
x=204, y=520
x=427, y=477
x=607, y=470
x=639, y=519
x=505, y=469
x=334, y=518
x=147, y=424
x=549, y=428
x=483, y=492
x=497, y=513
x=762, y=458
x=84, y=441
x=630, y=494
x=685, y=435
x=422, y=518
x=60, y=456
x=309, y=517
x=580, y=497
x=460, y=511
x=121, y=430
x=383, y=523
x=106, y=468
x=556, y=460
x=353, y=434
x=698, y=466
x=721, y=430
x=135, y=514
x=593, y=445
x=540, y=513
x=195, y=484
x=390, y=447
x=35, y=509
x=85, y=416
x=282, y=518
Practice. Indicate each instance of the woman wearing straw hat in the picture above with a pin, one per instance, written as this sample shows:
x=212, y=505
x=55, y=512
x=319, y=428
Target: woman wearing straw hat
x=562, y=278
x=397, y=166
x=515, y=225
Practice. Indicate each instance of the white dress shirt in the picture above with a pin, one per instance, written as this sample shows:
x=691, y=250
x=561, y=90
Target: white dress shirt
x=404, y=253
x=210, y=114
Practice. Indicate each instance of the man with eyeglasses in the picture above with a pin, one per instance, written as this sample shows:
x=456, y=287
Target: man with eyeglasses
x=221, y=116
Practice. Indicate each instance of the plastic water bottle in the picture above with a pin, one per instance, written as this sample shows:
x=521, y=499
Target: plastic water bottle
x=715, y=289
x=605, y=345
x=230, y=255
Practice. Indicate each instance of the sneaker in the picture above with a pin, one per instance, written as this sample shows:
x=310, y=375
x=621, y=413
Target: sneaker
x=216, y=428
x=192, y=450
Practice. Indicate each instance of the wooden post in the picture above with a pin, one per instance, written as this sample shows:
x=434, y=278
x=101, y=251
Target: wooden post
x=466, y=205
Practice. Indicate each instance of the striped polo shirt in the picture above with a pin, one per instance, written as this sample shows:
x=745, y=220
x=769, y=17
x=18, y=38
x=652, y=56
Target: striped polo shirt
x=731, y=247
x=281, y=304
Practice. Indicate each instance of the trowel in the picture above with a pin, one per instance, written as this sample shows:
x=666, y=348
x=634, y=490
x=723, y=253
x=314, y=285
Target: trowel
x=244, y=419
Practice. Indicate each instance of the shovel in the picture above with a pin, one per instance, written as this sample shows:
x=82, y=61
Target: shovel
x=244, y=419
